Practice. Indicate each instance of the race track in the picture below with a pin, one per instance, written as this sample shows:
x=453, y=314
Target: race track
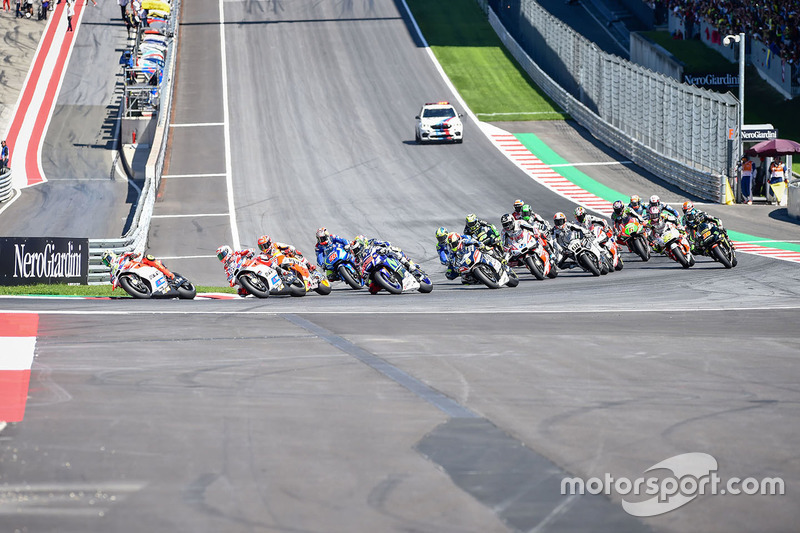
x=461, y=410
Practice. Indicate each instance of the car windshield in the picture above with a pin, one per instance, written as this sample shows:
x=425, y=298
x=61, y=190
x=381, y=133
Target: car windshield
x=446, y=112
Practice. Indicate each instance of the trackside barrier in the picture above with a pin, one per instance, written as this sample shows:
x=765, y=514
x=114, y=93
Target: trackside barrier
x=135, y=239
x=793, y=201
x=5, y=185
x=703, y=182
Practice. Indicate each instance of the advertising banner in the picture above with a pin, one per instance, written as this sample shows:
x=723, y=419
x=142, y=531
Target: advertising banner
x=32, y=260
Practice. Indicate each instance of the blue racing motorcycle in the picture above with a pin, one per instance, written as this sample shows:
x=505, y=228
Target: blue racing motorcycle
x=387, y=273
x=339, y=265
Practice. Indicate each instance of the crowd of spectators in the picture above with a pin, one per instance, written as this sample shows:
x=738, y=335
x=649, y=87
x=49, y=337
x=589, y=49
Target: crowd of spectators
x=776, y=23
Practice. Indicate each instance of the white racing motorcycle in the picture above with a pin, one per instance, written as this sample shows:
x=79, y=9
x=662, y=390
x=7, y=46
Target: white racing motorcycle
x=258, y=278
x=143, y=282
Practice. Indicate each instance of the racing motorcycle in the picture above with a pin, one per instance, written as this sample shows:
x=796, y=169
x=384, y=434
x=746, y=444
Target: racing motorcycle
x=475, y=267
x=258, y=278
x=633, y=235
x=305, y=279
x=528, y=248
x=143, y=281
x=584, y=251
x=340, y=265
x=676, y=245
x=713, y=242
x=604, y=239
x=386, y=272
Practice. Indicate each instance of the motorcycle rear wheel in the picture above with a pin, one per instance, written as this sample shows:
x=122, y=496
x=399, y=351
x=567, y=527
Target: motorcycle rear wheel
x=533, y=264
x=486, y=275
x=297, y=288
x=254, y=285
x=323, y=288
x=134, y=286
x=388, y=281
x=347, y=277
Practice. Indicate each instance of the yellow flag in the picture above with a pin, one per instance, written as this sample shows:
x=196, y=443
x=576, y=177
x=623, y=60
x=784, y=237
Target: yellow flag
x=779, y=190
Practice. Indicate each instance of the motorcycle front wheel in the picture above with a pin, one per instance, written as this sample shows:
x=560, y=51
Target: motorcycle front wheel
x=388, y=281
x=588, y=265
x=486, y=275
x=324, y=288
x=720, y=256
x=534, y=266
x=513, y=280
x=254, y=285
x=641, y=249
x=186, y=291
x=134, y=286
x=680, y=258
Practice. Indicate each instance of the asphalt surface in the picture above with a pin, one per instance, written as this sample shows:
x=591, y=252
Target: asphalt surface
x=87, y=193
x=459, y=410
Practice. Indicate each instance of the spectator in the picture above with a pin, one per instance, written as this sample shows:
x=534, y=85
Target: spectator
x=6, y=5
x=777, y=174
x=4, y=155
x=122, y=5
x=747, y=181
x=18, y=14
x=70, y=14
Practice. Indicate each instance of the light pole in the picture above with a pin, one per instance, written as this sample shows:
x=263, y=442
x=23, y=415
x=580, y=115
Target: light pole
x=727, y=41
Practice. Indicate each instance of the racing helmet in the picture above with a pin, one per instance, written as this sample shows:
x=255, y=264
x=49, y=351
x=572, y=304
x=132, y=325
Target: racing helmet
x=441, y=235
x=635, y=201
x=472, y=220
x=264, y=243
x=559, y=219
x=108, y=257
x=618, y=207
x=359, y=244
x=687, y=206
x=453, y=241
x=580, y=213
x=526, y=210
x=223, y=252
x=507, y=221
x=653, y=212
x=518, y=205
x=323, y=235
x=655, y=200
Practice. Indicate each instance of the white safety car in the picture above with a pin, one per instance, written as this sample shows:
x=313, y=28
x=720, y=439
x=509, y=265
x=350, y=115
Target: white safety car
x=439, y=121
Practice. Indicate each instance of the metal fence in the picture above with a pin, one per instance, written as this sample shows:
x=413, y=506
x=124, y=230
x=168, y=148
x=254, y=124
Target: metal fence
x=677, y=131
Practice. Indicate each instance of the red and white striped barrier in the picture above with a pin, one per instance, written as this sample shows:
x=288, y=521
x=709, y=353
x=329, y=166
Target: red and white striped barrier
x=17, y=344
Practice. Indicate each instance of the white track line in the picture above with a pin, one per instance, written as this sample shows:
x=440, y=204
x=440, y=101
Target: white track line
x=197, y=125
x=227, y=130
x=195, y=215
x=173, y=176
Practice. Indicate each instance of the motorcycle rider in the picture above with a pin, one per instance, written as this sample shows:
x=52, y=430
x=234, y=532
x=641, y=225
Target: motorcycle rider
x=561, y=232
x=587, y=221
x=325, y=239
x=270, y=248
x=446, y=256
x=527, y=214
x=658, y=225
x=511, y=228
x=692, y=218
x=456, y=243
x=484, y=232
x=517, y=214
x=655, y=200
x=109, y=258
x=636, y=205
x=623, y=214
x=229, y=259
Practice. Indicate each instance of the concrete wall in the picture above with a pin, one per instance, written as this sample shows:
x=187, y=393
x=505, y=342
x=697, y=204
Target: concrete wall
x=144, y=127
x=650, y=55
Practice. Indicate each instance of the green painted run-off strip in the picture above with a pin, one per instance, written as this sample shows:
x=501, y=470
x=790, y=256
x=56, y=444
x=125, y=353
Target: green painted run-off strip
x=546, y=154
